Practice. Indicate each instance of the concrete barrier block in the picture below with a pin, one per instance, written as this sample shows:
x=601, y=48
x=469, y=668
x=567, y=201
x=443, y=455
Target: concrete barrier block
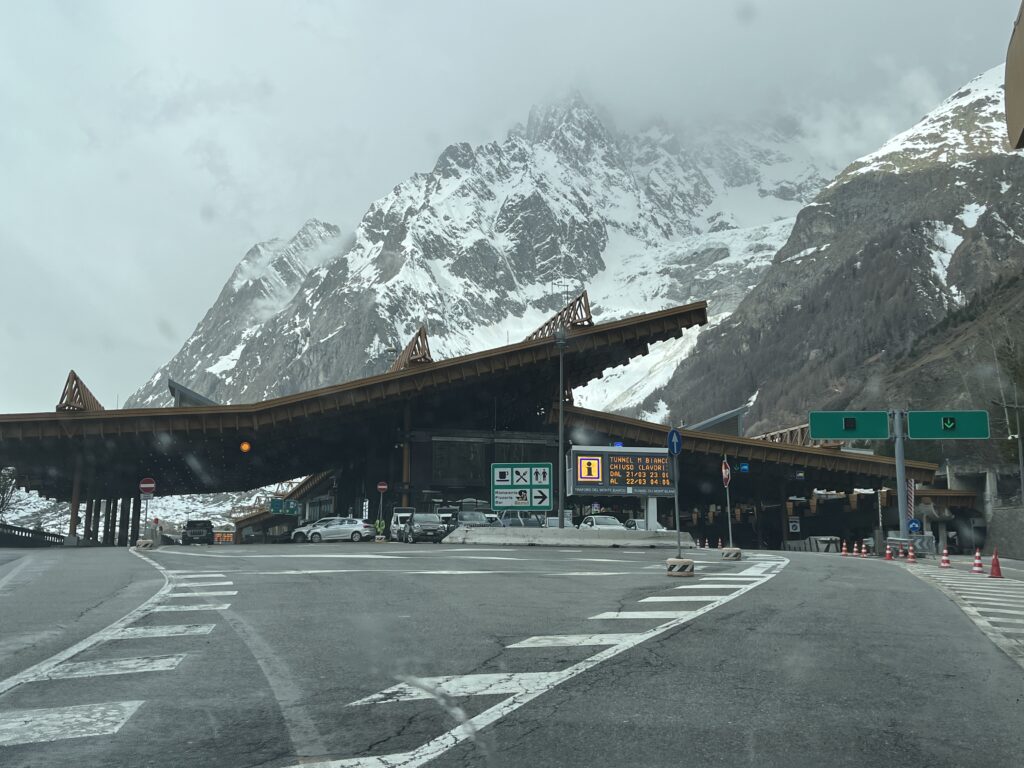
x=732, y=553
x=679, y=567
x=144, y=544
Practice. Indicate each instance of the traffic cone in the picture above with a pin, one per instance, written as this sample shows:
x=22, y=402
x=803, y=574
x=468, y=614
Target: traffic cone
x=888, y=552
x=856, y=549
x=863, y=550
x=944, y=562
x=903, y=551
x=719, y=542
x=978, y=566
x=911, y=558
x=995, y=572
x=844, y=552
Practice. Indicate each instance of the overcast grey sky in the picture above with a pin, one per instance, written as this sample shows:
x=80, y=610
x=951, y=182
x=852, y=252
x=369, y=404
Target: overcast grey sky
x=144, y=146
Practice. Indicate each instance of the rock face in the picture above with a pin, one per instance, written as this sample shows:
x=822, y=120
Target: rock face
x=486, y=245
x=902, y=238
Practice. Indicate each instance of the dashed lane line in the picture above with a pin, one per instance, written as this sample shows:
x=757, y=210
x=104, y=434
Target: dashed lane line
x=195, y=575
x=31, y=726
x=642, y=615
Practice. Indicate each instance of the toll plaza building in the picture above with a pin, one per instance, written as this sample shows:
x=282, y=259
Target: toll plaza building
x=429, y=429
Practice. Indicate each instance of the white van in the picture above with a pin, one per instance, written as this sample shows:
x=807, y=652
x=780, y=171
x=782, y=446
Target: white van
x=399, y=517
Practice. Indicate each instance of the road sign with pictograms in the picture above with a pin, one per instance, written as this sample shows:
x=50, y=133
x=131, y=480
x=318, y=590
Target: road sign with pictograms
x=948, y=425
x=522, y=486
x=726, y=473
x=849, y=425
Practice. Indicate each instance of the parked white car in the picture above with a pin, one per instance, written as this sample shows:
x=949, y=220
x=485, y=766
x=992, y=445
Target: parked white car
x=335, y=529
x=601, y=523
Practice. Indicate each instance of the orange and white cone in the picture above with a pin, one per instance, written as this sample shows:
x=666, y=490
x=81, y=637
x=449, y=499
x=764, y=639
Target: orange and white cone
x=996, y=571
x=844, y=552
x=719, y=542
x=911, y=558
x=888, y=552
x=856, y=549
x=978, y=566
x=863, y=550
x=944, y=562
x=903, y=551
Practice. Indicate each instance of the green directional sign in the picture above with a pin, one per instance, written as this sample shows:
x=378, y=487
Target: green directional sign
x=947, y=425
x=849, y=425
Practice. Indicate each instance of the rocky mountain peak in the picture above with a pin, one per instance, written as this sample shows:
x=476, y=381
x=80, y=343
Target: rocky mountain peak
x=971, y=123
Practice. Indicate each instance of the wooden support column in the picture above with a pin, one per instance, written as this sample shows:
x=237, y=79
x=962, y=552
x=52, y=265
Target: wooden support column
x=406, y=454
x=90, y=505
x=133, y=533
x=109, y=523
x=122, y=525
x=76, y=491
x=97, y=511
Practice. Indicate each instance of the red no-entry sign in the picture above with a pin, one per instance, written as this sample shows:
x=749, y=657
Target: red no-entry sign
x=382, y=487
x=147, y=485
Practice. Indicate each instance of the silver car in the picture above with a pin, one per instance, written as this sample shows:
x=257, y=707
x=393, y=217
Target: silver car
x=335, y=529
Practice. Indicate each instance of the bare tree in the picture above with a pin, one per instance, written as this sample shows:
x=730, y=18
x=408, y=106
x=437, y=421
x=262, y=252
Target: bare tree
x=7, y=488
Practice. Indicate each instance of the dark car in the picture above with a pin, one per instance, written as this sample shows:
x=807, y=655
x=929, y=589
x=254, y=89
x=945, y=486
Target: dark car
x=197, y=532
x=424, y=526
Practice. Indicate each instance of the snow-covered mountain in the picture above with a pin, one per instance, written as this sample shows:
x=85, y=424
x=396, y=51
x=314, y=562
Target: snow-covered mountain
x=485, y=246
x=905, y=238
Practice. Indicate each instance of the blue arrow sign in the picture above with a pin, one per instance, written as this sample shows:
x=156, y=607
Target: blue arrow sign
x=675, y=442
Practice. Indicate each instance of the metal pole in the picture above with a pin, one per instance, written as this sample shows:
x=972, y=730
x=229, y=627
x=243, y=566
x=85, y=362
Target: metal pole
x=728, y=513
x=901, y=473
x=560, y=341
x=675, y=494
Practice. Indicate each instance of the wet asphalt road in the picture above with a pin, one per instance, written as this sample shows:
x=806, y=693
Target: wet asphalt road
x=761, y=663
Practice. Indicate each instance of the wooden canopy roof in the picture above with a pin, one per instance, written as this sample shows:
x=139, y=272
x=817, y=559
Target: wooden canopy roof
x=826, y=460
x=195, y=449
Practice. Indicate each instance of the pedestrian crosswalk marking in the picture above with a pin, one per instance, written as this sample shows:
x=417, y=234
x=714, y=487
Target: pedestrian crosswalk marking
x=224, y=593
x=190, y=575
x=565, y=641
x=680, y=599
x=197, y=607
x=710, y=586
x=466, y=730
x=166, y=630
x=196, y=584
x=103, y=667
x=642, y=615
x=32, y=726
x=462, y=685
x=986, y=609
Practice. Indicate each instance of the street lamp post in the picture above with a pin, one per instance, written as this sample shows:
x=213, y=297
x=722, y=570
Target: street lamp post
x=561, y=341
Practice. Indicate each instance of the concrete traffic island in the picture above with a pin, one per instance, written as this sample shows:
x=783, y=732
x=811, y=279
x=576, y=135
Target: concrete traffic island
x=566, y=537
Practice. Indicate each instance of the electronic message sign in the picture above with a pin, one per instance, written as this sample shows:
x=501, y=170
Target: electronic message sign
x=611, y=471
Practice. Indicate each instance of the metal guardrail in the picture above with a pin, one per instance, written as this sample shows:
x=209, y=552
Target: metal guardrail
x=13, y=536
